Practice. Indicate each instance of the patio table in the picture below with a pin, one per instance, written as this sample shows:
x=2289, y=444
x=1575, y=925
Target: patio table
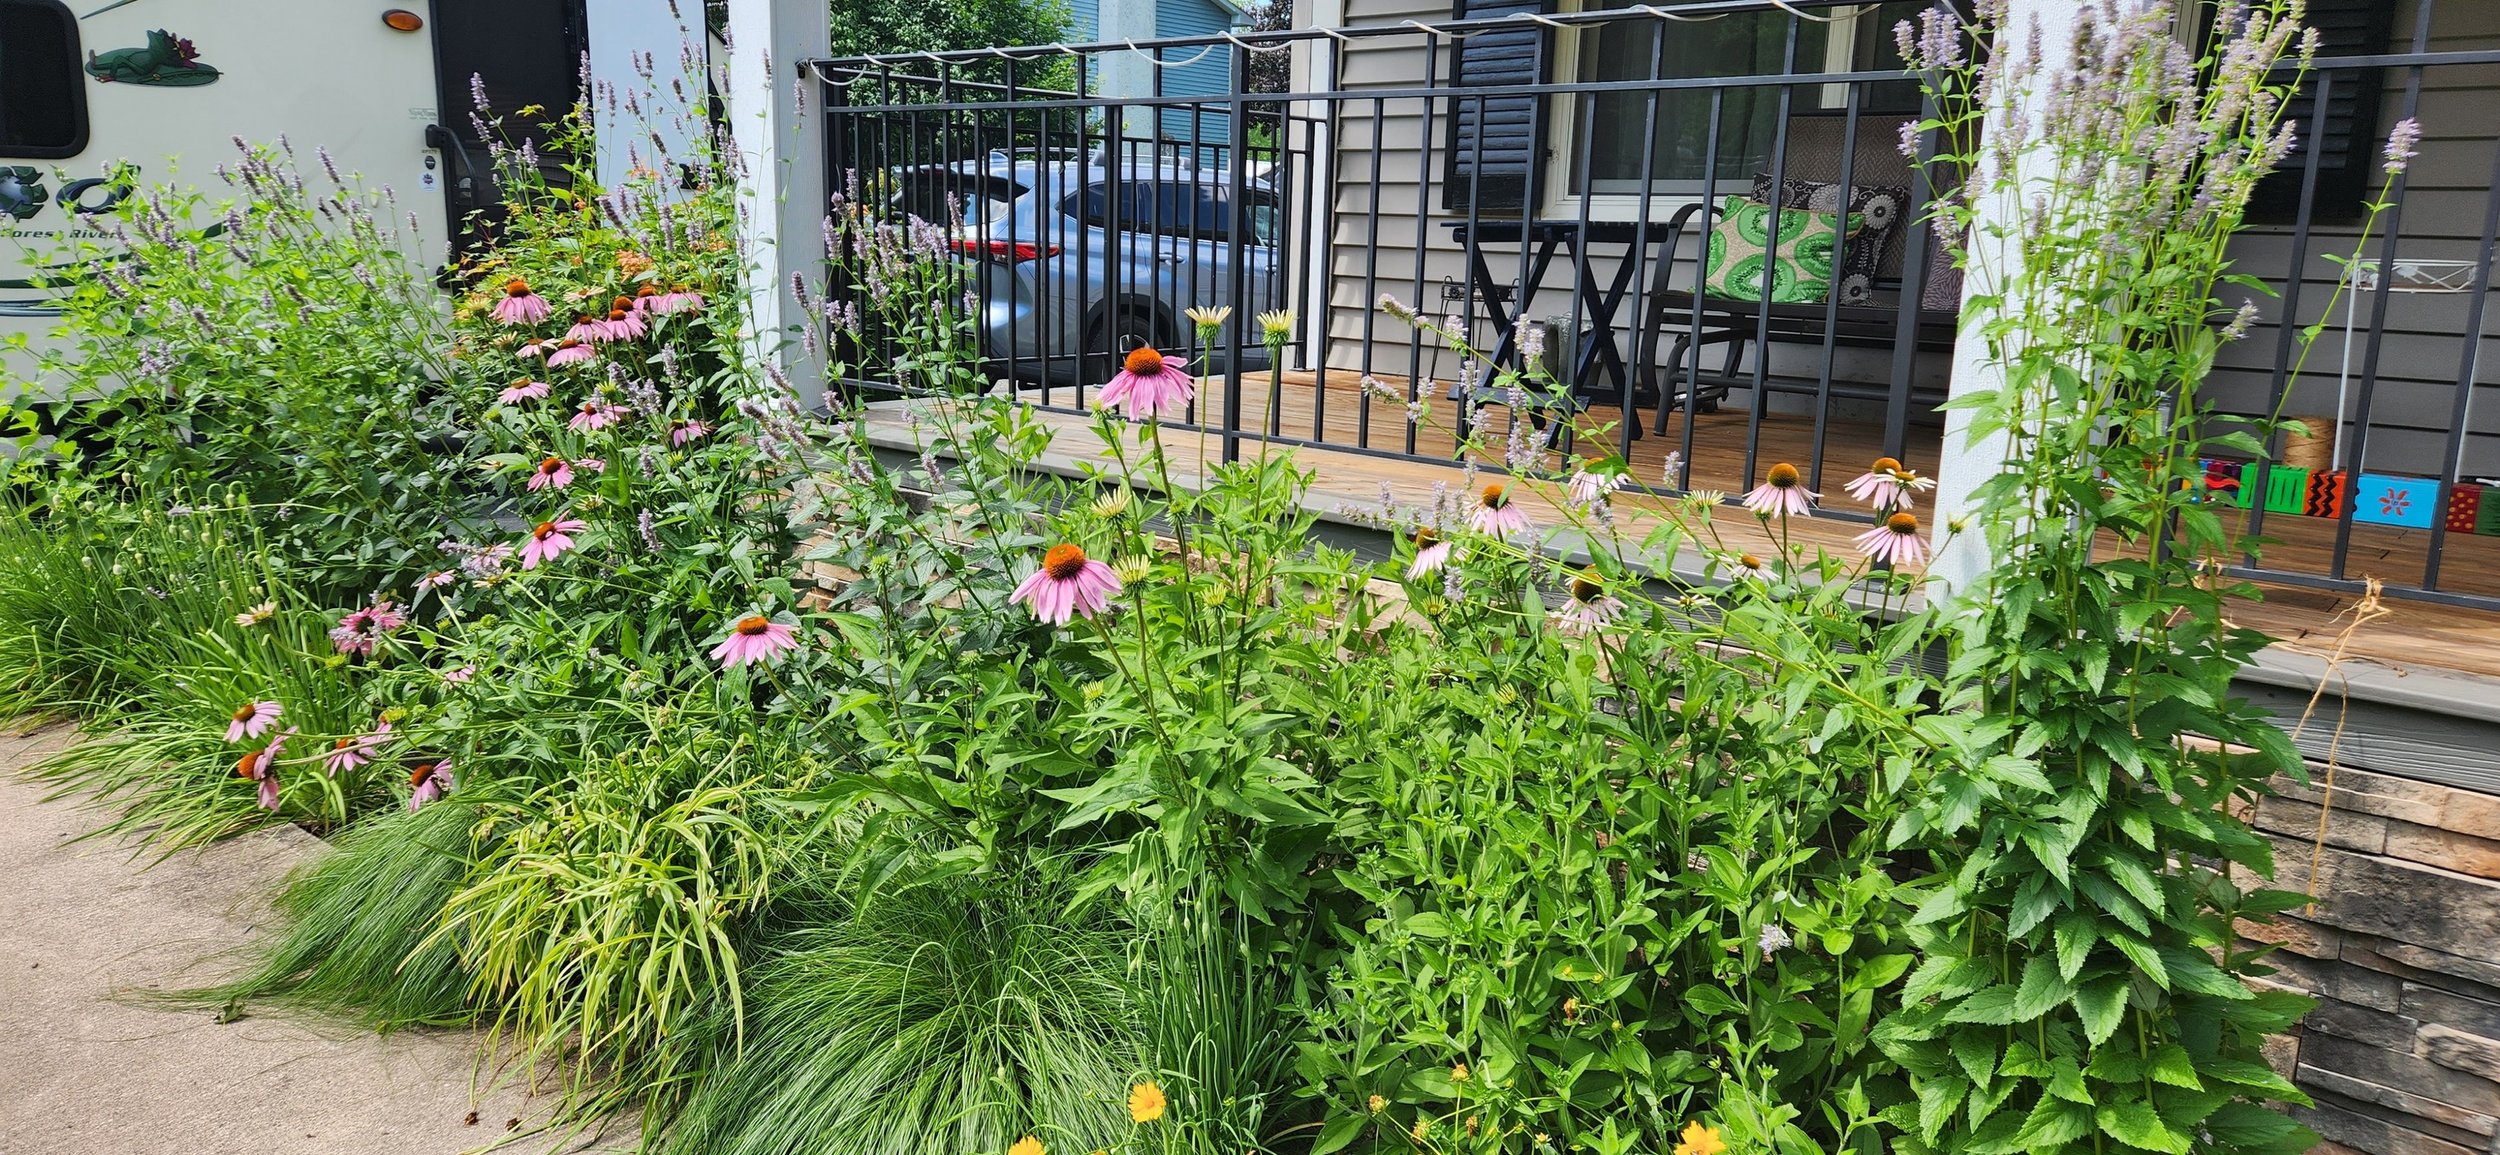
x=1599, y=296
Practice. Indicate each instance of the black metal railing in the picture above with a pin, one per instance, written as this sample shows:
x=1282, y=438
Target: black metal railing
x=1557, y=179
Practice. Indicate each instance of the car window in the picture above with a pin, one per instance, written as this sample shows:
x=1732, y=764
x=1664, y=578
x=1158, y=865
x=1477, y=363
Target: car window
x=936, y=195
x=1189, y=209
x=43, y=95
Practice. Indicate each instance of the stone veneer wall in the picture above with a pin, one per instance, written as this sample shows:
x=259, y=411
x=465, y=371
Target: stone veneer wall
x=2402, y=950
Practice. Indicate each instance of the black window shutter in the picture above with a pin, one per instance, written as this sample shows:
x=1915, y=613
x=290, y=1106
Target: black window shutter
x=1492, y=154
x=2348, y=151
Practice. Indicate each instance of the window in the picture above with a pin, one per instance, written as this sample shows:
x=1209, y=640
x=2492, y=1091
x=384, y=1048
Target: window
x=43, y=95
x=1678, y=133
x=1197, y=211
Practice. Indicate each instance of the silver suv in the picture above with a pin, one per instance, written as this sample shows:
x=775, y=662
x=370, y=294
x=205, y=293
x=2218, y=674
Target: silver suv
x=1079, y=263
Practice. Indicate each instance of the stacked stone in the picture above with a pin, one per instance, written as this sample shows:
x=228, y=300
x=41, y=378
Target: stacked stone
x=2402, y=950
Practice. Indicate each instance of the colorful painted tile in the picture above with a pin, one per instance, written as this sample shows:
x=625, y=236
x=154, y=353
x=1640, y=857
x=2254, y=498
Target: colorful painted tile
x=2223, y=481
x=2287, y=489
x=2465, y=503
x=2326, y=494
x=2407, y=501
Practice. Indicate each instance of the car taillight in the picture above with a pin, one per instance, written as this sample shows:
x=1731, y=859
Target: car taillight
x=1004, y=250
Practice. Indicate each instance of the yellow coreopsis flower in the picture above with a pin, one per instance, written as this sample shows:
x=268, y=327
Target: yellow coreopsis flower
x=1700, y=1140
x=1026, y=1146
x=1145, y=1102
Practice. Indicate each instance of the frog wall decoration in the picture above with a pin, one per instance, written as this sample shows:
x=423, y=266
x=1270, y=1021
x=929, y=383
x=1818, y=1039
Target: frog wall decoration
x=168, y=61
x=22, y=194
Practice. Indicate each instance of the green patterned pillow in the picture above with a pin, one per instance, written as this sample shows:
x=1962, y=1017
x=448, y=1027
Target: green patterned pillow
x=1742, y=251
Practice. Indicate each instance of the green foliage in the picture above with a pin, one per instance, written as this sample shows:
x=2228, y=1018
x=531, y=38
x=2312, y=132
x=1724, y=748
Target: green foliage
x=355, y=942
x=951, y=1016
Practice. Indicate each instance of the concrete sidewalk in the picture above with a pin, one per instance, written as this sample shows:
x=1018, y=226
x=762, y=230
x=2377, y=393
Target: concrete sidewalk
x=87, y=1070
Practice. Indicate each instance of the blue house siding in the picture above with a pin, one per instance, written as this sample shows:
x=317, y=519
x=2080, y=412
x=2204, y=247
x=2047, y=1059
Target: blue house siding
x=1209, y=75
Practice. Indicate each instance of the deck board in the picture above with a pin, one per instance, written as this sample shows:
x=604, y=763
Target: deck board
x=2405, y=635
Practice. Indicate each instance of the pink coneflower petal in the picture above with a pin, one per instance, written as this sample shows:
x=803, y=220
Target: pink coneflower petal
x=519, y=305
x=663, y=304
x=459, y=675
x=755, y=638
x=269, y=796
x=686, y=431
x=252, y=720
x=588, y=330
x=1067, y=586
x=549, y=541
x=1587, y=488
x=1494, y=515
x=1896, y=543
x=1591, y=606
x=552, y=471
x=571, y=352
x=428, y=780
x=1150, y=384
x=1430, y=559
x=520, y=391
x=1782, y=494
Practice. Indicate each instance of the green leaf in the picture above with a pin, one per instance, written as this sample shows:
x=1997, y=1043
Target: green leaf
x=1340, y=1131
x=2138, y=1125
x=2042, y=989
x=2075, y=938
x=2101, y=1004
x=2172, y=1065
x=1977, y=1053
x=1936, y=1102
x=2054, y=1122
x=1992, y=1007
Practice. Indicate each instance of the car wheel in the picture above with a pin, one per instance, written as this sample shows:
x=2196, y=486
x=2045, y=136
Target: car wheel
x=1113, y=335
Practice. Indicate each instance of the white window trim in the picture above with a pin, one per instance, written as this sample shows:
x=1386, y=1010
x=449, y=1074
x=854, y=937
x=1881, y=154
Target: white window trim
x=1666, y=198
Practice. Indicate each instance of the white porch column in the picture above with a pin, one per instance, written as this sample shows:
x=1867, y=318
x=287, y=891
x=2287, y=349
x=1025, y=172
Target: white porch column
x=1995, y=260
x=781, y=158
x=1315, y=68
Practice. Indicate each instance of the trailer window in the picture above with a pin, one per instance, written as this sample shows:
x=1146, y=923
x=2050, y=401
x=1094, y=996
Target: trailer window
x=43, y=96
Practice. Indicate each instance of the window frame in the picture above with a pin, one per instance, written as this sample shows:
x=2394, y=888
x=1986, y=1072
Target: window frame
x=83, y=133
x=1666, y=197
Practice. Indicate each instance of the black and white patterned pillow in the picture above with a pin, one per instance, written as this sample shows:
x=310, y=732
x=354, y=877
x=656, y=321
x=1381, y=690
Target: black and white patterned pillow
x=1878, y=206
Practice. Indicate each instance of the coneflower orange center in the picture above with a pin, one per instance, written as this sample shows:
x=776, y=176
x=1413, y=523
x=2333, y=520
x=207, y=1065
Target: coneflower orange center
x=1748, y=561
x=620, y=304
x=619, y=314
x=544, y=528
x=1425, y=536
x=568, y=343
x=418, y=773
x=1902, y=523
x=244, y=713
x=1887, y=465
x=1586, y=588
x=516, y=287
x=551, y=465
x=754, y=624
x=1785, y=475
x=342, y=743
x=248, y=766
x=1144, y=361
x=1064, y=562
x=1495, y=496
x=647, y=291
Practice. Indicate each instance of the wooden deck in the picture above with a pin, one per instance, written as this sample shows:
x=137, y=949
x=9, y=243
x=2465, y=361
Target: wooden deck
x=2400, y=635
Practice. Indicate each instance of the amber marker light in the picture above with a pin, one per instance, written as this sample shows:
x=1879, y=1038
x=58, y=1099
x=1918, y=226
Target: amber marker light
x=403, y=20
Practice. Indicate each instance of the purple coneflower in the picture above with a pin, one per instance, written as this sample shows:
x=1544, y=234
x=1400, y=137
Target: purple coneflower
x=256, y=615
x=1150, y=384
x=262, y=766
x=251, y=720
x=437, y=579
x=360, y=631
x=683, y=432
x=755, y=638
x=459, y=675
x=1895, y=543
x=522, y=390
x=1749, y=568
x=1887, y=485
x=533, y=349
x=624, y=323
x=554, y=471
x=1589, y=488
x=588, y=330
x=429, y=779
x=594, y=415
x=1591, y=606
x=1068, y=585
x=1431, y=553
x=549, y=541
x=1783, y=493
x=678, y=300
x=519, y=305
x=570, y=352
x=1495, y=515
x=351, y=752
